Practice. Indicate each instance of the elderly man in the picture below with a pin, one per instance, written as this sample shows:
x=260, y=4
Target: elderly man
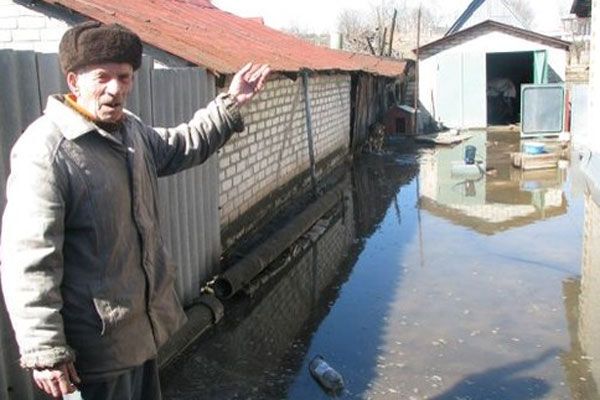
x=85, y=275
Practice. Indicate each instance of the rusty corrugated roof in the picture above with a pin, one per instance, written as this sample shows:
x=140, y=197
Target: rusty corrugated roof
x=202, y=34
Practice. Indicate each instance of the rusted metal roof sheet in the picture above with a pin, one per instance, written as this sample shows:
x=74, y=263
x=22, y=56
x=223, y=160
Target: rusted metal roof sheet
x=200, y=33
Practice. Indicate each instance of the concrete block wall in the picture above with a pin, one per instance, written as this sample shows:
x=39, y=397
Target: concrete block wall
x=29, y=27
x=273, y=149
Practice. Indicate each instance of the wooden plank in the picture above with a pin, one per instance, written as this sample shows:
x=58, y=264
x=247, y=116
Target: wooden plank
x=444, y=138
x=535, y=161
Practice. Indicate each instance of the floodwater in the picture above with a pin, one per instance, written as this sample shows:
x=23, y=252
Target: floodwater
x=427, y=282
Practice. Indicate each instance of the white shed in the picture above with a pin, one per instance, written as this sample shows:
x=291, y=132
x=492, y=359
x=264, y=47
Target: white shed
x=461, y=73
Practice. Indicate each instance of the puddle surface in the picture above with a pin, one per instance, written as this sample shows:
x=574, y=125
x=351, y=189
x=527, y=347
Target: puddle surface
x=431, y=282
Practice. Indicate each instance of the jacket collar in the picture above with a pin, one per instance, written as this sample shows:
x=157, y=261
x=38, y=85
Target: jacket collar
x=71, y=123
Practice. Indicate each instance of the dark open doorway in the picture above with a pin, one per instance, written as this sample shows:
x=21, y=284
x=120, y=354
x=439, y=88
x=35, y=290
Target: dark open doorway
x=506, y=72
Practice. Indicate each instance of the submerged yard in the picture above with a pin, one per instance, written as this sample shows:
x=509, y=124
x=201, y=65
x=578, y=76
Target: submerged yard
x=426, y=284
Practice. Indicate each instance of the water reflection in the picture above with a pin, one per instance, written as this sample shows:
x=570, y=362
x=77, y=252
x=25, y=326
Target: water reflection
x=409, y=305
x=262, y=348
x=377, y=182
x=256, y=350
x=494, y=197
x=503, y=382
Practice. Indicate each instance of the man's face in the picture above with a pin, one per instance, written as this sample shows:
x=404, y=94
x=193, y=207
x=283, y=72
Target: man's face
x=102, y=89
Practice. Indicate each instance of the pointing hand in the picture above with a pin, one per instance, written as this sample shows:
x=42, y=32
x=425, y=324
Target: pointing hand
x=248, y=81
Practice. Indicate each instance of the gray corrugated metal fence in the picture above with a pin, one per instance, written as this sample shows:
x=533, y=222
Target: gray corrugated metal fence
x=19, y=105
x=189, y=201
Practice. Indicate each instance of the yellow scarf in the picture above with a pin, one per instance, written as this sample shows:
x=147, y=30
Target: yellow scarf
x=71, y=101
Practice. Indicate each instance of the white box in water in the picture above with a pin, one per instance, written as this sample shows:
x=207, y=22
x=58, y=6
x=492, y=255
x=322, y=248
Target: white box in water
x=467, y=171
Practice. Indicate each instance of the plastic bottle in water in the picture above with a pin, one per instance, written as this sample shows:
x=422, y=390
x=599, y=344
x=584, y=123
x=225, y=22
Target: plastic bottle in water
x=328, y=377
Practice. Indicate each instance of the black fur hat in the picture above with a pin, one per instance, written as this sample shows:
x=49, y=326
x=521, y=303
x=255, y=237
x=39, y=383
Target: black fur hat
x=92, y=42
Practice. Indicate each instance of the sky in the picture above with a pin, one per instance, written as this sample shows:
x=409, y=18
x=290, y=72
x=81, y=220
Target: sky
x=320, y=16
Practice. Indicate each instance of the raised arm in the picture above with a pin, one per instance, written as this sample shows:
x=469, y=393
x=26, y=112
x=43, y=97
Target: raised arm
x=190, y=144
x=247, y=82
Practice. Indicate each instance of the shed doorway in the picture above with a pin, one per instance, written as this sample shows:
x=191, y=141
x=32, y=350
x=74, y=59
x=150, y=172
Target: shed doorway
x=506, y=72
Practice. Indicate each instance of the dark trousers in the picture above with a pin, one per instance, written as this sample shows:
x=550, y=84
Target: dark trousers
x=139, y=383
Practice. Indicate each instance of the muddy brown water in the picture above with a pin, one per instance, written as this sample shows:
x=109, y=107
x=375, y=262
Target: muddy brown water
x=430, y=282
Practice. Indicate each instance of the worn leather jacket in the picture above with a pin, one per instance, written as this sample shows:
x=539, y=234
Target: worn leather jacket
x=84, y=270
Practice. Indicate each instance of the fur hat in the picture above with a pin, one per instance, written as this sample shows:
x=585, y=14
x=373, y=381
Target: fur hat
x=92, y=42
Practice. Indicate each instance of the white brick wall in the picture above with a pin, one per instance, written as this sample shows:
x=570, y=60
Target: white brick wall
x=273, y=149
x=28, y=28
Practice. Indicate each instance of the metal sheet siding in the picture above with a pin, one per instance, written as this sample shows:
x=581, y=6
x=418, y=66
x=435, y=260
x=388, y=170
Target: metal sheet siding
x=189, y=200
x=51, y=78
x=140, y=99
x=449, y=90
x=20, y=103
x=474, y=84
x=460, y=90
x=19, y=106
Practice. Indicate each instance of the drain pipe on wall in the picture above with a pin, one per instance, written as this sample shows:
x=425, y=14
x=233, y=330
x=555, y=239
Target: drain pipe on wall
x=206, y=312
x=208, y=309
x=241, y=273
x=309, y=133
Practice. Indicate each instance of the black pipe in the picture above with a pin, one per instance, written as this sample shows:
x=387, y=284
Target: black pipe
x=240, y=274
x=206, y=312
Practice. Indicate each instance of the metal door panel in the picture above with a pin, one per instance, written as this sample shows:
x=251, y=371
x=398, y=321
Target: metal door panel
x=474, y=82
x=449, y=92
